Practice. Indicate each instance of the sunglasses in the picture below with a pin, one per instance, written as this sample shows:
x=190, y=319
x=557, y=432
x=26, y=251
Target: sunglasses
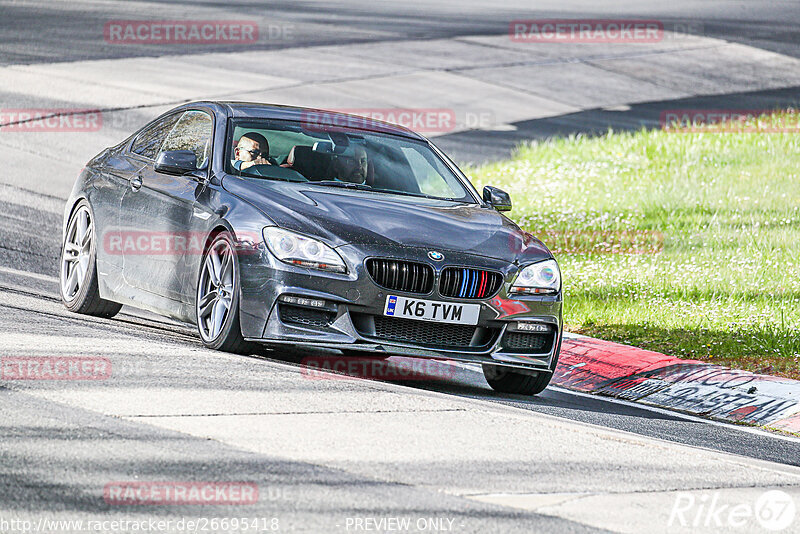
x=254, y=153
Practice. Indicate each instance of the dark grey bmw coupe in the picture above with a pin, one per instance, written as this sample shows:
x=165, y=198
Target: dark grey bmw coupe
x=291, y=226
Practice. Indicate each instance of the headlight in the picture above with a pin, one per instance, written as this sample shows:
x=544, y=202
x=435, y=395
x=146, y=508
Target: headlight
x=301, y=250
x=538, y=278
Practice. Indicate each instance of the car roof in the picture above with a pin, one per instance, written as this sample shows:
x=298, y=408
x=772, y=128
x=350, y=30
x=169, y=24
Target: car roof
x=319, y=117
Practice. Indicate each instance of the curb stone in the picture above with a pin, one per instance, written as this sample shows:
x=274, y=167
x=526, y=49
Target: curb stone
x=615, y=370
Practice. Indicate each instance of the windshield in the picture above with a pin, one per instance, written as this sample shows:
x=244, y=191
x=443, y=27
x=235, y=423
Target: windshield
x=354, y=159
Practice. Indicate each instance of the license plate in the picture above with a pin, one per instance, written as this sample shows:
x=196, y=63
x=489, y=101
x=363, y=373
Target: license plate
x=432, y=310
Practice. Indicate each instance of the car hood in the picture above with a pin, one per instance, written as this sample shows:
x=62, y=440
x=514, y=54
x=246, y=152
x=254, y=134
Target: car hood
x=341, y=217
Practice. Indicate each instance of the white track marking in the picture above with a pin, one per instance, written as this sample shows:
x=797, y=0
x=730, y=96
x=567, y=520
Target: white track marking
x=37, y=276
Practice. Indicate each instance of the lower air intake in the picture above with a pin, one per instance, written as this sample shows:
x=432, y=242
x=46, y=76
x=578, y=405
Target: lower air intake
x=425, y=334
x=528, y=342
x=304, y=316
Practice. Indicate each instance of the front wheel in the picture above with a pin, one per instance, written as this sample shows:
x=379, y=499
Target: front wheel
x=78, y=269
x=507, y=380
x=217, y=300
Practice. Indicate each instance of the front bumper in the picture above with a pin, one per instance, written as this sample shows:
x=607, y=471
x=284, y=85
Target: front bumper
x=353, y=301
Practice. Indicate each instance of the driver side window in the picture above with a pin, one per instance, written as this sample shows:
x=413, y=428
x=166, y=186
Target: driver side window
x=192, y=132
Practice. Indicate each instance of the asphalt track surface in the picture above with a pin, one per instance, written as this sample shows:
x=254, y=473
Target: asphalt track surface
x=45, y=32
x=326, y=451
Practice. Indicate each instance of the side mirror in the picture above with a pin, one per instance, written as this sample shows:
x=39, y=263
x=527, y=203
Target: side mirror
x=497, y=198
x=178, y=162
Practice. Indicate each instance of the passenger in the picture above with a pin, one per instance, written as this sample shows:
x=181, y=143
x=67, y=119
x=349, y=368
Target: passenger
x=252, y=149
x=352, y=168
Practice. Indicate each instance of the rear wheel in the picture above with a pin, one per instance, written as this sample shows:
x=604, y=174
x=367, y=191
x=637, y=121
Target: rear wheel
x=217, y=305
x=78, y=270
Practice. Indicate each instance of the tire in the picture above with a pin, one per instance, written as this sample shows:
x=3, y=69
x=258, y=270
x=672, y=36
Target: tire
x=78, y=266
x=506, y=380
x=218, y=287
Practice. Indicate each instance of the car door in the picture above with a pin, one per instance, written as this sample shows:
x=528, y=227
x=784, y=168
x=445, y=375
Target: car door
x=158, y=213
x=114, y=176
x=118, y=172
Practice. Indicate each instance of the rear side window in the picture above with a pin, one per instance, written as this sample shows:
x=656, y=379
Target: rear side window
x=149, y=142
x=192, y=132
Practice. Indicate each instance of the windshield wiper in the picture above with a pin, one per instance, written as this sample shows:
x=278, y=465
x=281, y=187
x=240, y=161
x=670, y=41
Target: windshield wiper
x=245, y=174
x=420, y=195
x=346, y=185
x=365, y=187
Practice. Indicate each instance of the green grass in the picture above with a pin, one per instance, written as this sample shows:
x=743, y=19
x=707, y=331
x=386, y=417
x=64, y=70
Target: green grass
x=683, y=243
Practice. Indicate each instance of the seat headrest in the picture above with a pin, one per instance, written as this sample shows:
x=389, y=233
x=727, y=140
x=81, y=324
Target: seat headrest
x=313, y=165
x=323, y=146
x=297, y=152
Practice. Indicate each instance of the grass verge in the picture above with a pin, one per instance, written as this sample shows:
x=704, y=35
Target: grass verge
x=682, y=243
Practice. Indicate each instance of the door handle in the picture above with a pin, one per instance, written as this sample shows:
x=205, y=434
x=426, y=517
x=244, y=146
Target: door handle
x=136, y=183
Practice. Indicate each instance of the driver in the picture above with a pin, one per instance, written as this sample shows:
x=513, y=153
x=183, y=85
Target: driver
x=252, y=149
x=352, y=168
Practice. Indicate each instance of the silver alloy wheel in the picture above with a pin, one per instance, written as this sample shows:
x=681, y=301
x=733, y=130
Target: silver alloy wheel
x=215, y=289
x=77, y=253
